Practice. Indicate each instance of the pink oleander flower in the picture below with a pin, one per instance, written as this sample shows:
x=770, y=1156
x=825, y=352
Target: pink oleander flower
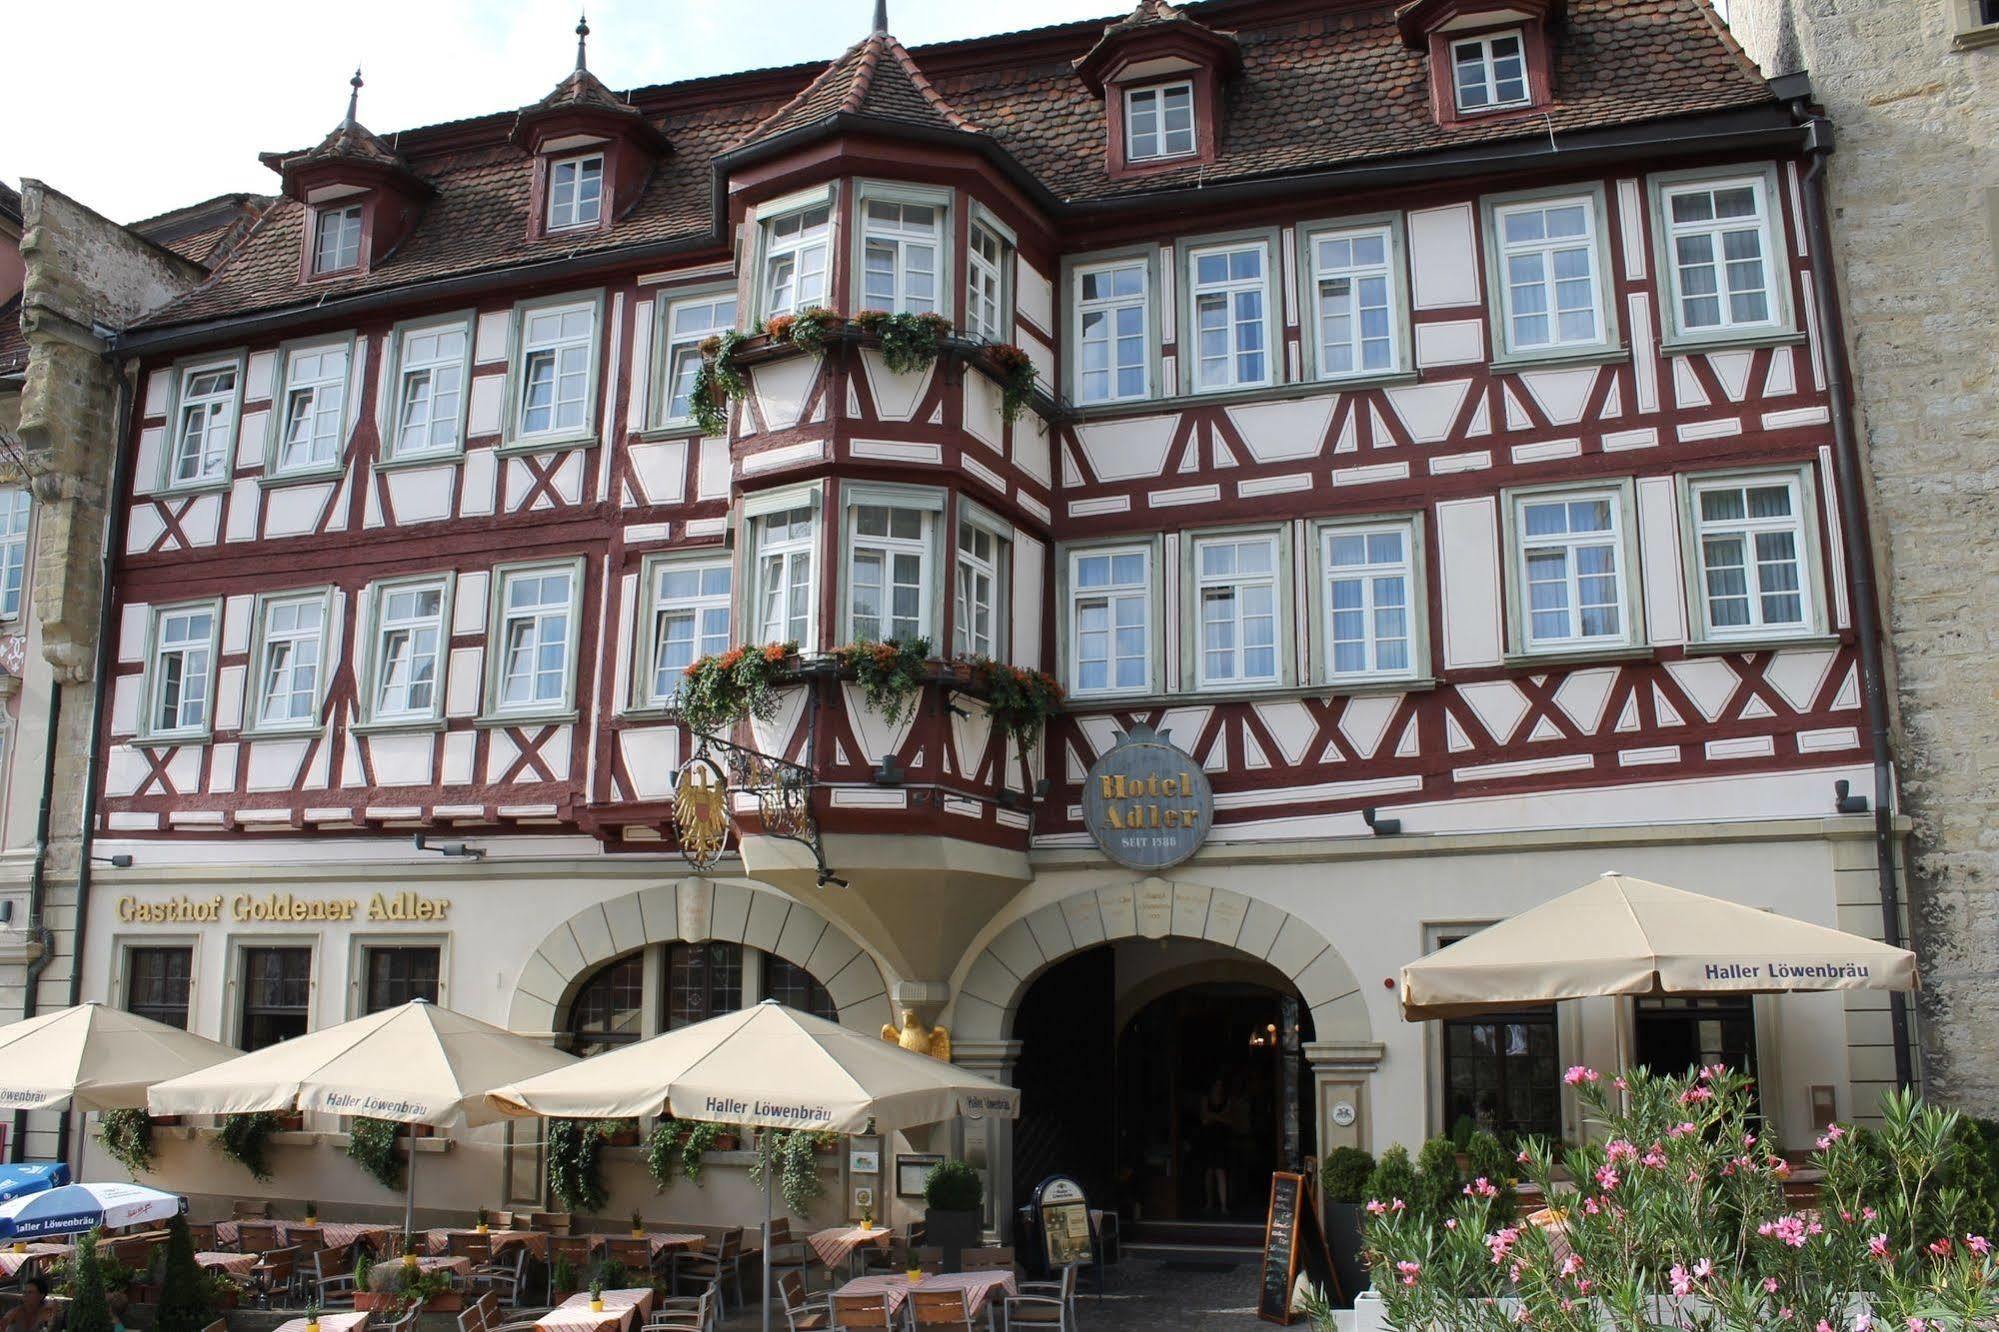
x=1862, y=1322
x=1398, y=1206
x=1655, y=1157
x=1823, y=1326
x=1521, y=1159
x=1579, y=1074
x=1834, y=1132
x=1606, y=1178
x=1785, y=1314
x=1780, y=1167
x=1590, y=1206
x=1868, y=1214
x=1683, y=1285
x=1620, y=1150
x=1481, y=1188
x=1521, y=1315
x=1501, y=1243
x=1571, y=1265
x=1916, y=1324
x=1940, y=1248
x=1978, y=1244
x=1696, y=1093
x=1450, y=1223
x=1824, y=1142
x=1680, y=1130
x=1376, y=1207
x=1584, y=1285
x=1410, y=1271
x=1788, y=1229
x=1703, y=1269
x=1619, y=1083
x=1877, y=1245
x=1769, y=1285
x=1568, y=1305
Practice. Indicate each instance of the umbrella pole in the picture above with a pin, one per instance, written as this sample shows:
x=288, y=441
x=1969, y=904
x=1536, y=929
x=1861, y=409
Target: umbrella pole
x=409, y=1194
x=763, y=1146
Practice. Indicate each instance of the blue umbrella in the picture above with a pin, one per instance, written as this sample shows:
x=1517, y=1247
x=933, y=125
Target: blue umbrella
x=31, y=1177
x=75, y=1208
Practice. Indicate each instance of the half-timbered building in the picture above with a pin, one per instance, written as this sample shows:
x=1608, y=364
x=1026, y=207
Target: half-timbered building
x=1432, y=436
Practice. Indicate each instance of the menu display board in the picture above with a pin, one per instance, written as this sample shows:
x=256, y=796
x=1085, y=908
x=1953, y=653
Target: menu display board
x=1292, y=1241
x=1065, y=1223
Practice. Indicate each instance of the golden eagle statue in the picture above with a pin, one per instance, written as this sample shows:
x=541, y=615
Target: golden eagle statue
x=917, y=1038
x=701, y=812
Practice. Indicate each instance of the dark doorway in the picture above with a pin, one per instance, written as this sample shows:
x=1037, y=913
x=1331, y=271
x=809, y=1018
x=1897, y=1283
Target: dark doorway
x=1069, y=1102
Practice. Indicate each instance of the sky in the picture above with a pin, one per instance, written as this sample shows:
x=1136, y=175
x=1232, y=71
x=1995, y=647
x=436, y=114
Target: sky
x=135, y=107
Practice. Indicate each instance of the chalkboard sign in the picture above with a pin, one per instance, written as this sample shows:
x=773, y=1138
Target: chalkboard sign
x=1292, y=1241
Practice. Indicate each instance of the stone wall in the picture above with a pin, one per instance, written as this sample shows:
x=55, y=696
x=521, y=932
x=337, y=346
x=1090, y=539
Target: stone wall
x=1914, y=192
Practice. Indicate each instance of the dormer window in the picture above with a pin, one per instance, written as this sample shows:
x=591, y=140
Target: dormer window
x=336, y=242
x=1490, y=72
x=1159, y=122
x=576, y=192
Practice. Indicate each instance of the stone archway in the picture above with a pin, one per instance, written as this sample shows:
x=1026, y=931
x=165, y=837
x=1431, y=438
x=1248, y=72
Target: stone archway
x=696, y=909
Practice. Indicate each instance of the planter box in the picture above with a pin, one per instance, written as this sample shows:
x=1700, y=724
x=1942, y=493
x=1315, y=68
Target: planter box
x=1344, y=1237
x=371, y=1301
x=953, y=1232
x=1371, y=1315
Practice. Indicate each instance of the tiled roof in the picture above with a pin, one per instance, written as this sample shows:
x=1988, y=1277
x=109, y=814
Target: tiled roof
x=10, y=203
x=13, y=342
x=206, y=232
x=1324, y=89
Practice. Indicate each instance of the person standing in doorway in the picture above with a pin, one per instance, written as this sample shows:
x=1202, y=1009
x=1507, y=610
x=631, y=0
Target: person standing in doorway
x=1212, y=1142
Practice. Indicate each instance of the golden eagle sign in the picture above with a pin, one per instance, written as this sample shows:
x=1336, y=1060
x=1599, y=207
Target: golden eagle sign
x=1147, y=804
x=701, y=812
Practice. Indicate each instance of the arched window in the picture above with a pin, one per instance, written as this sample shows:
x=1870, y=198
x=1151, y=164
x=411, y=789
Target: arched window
x=795, y=987
x=609, y=1010
x=703, y=980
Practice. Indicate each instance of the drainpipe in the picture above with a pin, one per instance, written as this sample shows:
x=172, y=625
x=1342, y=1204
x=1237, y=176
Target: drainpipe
x=45, y=938
x=1859, y=562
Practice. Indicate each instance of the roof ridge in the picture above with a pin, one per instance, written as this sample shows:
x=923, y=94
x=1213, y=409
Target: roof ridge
x=938, y=102
x=864, y=76
x=804, y=94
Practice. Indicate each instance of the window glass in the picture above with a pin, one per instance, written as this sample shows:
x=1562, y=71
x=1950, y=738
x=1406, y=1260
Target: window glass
x=182, y=648
x=13, y=550
x=690, y=620
x=534, y=633
x=1675, y=1035
x=1750, y=536
x=1548, y=259
x=985, y=281
x=555, y=369
x=1502, y=1071
x=1230, y=303
x=703, y=980
x=1354, y=294
x=157, y=983
x=1159, y=122
x=1114, y=353
x=204, y=425
x=576, y=192
x=398, y=975
x=1718, y=241
x=1236, y=591
x=315, y=406
x=288, y=675
x=1368, y=584
x=795, y=987
x=784, y=588
x=889, y=573
x=794, y=276
x=336, y=242
x=609, y=1010
x=1571, y=571
x=408, y=644
x=431, y=396
x=1490, y=72
x=977, y=609
x=689, y=323
x=899, y=243
x=1110, y=619
x=277, y=995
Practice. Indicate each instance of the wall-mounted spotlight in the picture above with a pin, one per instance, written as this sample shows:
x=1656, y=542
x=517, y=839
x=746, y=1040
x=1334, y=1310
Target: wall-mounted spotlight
x=888, y=772
x=119, y=861
x=456, y=850
x=827, y=878
x=1382, y=827
x=1846, y=803
x=7, y=911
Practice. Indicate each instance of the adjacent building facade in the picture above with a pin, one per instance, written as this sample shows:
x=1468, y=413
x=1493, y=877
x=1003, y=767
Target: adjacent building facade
x=1434, y=439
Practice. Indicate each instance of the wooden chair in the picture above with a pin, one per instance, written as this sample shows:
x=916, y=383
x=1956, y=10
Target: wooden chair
x=1045, y=1304
x=673, y=1312
x=258, y=1237
x=573, y=1249
x=503, y=1278
x=244, y=1209
x=553, y=1223
x=500, y=1220
x=333, y=1279
x=275, y=1272
x=634, y=1255
x=851, y=1312
x=892, y=1257
x=930, y=1258
x=476, y=1247
x=788, y=1253
x=202, y=1235
x=801, y=1312
x=479, y=1314
x=996, y=1259
x=940, y=1308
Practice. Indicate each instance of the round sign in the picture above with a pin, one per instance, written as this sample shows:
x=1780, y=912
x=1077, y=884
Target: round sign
x=1147, y=804
x=1344, y=1113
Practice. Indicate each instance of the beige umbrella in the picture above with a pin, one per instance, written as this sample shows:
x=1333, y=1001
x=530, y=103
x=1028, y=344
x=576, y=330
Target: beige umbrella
x=768, y=1067
x=414, y=1064
x=1625, y=936
x=95, y=1058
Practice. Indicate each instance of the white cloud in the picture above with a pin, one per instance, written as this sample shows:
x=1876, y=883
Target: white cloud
x=137, y=106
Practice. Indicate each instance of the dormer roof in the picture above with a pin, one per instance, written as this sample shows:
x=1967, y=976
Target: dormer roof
x=1419, y=18
x=351, y=155
x=582, y=104
x=877, y=79
x=1157, y=25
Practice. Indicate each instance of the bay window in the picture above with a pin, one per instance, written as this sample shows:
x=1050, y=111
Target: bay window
x=180, y=670
x=1548, y=263
x=987, y=258
x=1110, y=620
x=1230, y=305
x=554, y=372
x=687, y=323
x=429, y=393
x=889, y=572
x=1236, y=600
x=204, y=425
x=901, y=246
x=1571, y=569
x=978, y=612
x=1750, y=544
x=690, y=620
x=536, y=619
x=794, y=263
x=1371, y=600
x=1159, y=122
x=288, y=661
x=314, y=410
x=783, y=596
x=407, y=660
x=1114, y=332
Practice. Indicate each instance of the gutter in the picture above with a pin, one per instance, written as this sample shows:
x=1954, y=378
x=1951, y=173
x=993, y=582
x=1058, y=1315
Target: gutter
x=1859, y=561
x=45, y=938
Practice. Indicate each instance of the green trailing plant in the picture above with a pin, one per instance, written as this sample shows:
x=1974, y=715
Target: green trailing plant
x=890, y=674
x=676, y=1148
x=722, y=689
x=809, y=330
x=718, y=380
x=127, y=1136
x=794, y=1155
x=953, y=1186
x=371, y=1143
x=1019, y=699
x=909, y=342
x=1017, y=377
x=575, y=1167
x=1343, y=1175
x=89, y=1310
x=243, y=1138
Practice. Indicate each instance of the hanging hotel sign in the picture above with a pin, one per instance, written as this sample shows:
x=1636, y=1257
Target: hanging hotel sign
x=701, y=812
x=281, y=909
x=1147, y=804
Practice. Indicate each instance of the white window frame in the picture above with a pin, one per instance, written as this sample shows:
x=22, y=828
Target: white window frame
x=285, y=397
x=1411, y=568
x=379, y=628
x=403, y=367
x=518, y=437
x=569, y=214
x=1162, y=132
x=772, y=247
x=257, y=705
x=1496, y=209
x=967, y=569
x=338, y=214
x=1082, y=309
x=790, y=551
x=16, y=522
x=1191, y=359
x=1662, y=188
x=1198, y=583
x=928, y=506
x=156, y=652
x=1394, y=269
x=1623, y=538
x=222, y=411
x=656, y=607
x=869, y=231
x=682, y=350
x=1489, y=72
x=499, y=634
x=1803, y=523
x=1144, y=593
x=989, y=278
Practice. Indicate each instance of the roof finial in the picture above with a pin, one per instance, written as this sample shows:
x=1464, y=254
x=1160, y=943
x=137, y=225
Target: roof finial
x=881, y=16
x=354, y=97
x=582, y=36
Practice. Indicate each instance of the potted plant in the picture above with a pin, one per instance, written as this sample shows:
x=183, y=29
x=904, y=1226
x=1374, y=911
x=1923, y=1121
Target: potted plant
x=312, y=1214
x=597, y=1293
x=409, y=1249
x=485, y=1222
x=954, y=1199
x=638, y=1224
x=1343, y=1179
x=561, y=1281
x=312, y=1315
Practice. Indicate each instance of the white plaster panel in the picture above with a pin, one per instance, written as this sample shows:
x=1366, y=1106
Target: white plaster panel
x=142, y=529
x=782, y=388
x=1034, y=296
x=250, y=433
x=1455, y=342
x=243, y=507
x=222, y=770
x=1443, y=257
x=983, y=420
x=274, y=764
x=124, y=770
x=401, y=760
x=468, y=603
x=422, y=495
x=661, y=468
x=461, y=691
x=1428, y=410
x=1562, y=394
x=477, y=482
x=1468, y=546
x=1128, y=449
x=1278, y=431
x=651, y=754
x=127, y=691
x=489, y=343
x=146, y=470
x=257, y=376
x=713, y=483
x=1659, y=548
x=458, y=750
x=294, y=510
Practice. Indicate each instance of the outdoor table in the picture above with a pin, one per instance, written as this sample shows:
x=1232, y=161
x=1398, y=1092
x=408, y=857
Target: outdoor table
x=328, y=1322
x=662, y=1241
x=335, y=1236
x=979, y=1287
x=624, y=1309
x=11, y=1263
x=235, y=1264
x=534, y=1241
x=836, y=1244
